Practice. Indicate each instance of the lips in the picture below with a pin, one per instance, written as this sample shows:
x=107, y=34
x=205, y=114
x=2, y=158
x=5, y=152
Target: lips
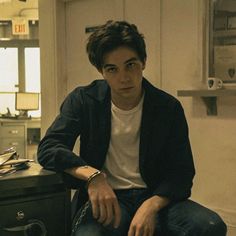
x=128, y=88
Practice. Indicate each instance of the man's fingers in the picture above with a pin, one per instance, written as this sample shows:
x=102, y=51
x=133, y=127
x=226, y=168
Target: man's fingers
x=105, y=205
x=131, y=231
x=102, y=213
x=109, y=214
x=139, y=232
x=147, y=232
x=117, y=214
x=136, y=230
x=151, y=232
x=95, y=208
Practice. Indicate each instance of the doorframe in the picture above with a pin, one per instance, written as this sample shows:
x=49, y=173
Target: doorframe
x=52, y=59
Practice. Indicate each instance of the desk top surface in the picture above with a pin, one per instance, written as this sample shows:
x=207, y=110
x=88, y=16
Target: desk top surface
x=35, y=176
x=16, y=120
x=34, y=170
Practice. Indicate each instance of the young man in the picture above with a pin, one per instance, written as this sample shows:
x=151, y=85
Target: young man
x=135, y=168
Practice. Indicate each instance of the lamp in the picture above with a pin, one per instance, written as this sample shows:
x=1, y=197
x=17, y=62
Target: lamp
x=25, y=102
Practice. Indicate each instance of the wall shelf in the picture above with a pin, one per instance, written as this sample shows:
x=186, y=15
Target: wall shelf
x=209, y=97
x=224, y=33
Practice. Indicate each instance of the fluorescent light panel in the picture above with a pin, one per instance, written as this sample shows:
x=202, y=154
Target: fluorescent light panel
x=5, y=1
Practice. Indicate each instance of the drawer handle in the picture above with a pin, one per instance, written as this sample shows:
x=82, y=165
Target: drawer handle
x=14, y=131
x=34, y=228
x=20, y=215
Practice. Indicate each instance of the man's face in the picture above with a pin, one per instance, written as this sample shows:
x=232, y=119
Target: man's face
x=123, y=71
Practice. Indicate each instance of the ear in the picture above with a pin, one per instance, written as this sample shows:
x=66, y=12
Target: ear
x=100, y=70
x=143, y=65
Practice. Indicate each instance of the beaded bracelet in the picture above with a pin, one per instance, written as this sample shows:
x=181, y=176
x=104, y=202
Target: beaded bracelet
x=92, y=176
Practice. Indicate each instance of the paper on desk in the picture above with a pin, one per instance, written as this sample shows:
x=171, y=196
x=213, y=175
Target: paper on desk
x=6, y=156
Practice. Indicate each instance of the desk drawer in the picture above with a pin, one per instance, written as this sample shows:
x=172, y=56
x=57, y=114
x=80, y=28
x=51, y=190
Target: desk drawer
x=18, y=143
x=49, y=211
x=13, y=131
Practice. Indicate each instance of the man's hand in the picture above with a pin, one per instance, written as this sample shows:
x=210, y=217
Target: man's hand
x=144, y=220
x=105, y=205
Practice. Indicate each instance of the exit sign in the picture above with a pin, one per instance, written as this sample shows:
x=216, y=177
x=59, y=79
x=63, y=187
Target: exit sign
x=20, y=26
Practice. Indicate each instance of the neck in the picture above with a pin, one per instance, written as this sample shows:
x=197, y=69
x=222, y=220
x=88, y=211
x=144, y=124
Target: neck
x=126, y=103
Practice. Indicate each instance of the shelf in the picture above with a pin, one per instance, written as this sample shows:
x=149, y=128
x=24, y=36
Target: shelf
x=224, y=33
x=209, y=97
x=206, y=93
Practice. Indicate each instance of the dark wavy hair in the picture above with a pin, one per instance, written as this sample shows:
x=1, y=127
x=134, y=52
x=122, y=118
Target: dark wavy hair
x=112, y=35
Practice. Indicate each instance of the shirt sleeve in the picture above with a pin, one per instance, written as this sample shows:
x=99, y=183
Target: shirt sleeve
x=55, y=149
x=179, y=168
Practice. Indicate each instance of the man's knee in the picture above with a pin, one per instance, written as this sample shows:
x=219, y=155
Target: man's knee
x=216, y=227
x=212, y=225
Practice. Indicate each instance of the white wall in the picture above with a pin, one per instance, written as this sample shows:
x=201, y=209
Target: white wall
x=174, y=36
x=16, y=8
x=52, y=59
x=81, y=14
x=212, y=137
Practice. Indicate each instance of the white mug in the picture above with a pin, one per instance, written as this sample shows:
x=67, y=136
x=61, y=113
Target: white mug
x=214, y=83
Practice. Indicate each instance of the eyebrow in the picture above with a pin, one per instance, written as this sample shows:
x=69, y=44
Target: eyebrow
x=127, y=61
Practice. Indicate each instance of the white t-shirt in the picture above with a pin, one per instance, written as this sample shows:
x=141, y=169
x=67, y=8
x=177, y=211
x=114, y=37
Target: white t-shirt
x=122, y=161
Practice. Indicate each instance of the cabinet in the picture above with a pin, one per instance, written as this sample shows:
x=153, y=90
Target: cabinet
x=222, y=40
x=34, y=200
x=12, y=134
x=24, y=135
x=220, y=37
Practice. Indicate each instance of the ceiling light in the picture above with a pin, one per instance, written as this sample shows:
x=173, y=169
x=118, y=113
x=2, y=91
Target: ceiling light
x=5, y=1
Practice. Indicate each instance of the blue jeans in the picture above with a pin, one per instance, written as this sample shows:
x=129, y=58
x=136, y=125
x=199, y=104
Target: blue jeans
x=178, y=219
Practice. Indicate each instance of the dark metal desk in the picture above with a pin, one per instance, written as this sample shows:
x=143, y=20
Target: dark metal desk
x=33, y=195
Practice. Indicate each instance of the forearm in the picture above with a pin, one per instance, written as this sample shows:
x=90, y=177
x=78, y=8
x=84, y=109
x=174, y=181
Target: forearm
x=81, y=172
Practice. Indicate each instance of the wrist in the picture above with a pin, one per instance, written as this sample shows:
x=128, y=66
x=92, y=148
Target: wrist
x=159, y=202
x=82, y=172
x=94, y=176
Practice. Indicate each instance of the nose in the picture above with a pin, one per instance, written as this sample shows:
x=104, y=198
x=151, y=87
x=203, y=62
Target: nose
x=124, y=76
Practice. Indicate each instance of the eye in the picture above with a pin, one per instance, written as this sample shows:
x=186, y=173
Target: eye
x=131, y=65
x=111, y=69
